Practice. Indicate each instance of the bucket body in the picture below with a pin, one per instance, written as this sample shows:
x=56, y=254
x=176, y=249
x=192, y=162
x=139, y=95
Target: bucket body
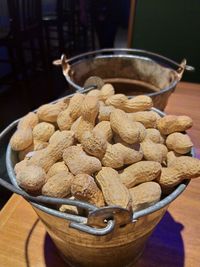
x=122, y=247
x=119, y=247
x=131, y=72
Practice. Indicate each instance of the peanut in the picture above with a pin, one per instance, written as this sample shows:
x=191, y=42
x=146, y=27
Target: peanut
x=118, y=155
x=145, y=195
x=53, y=152
x=171, y=123
x=114, y=192
x=138, y=103
x=105, y=129
x=20, y=165
x=84, y=188
x=89, y=111
x=82, y=127
x=181, y=168
x=90, y=108
x=94, y=92
x=190, y=167
x=147, y=118
x=68, y=116
x=106, y=91
x=56, y=168
x=130, y=132
x=154, y=135
x=21, y=139
x=49, y=112
x=31, y=178
x=101, y=104
x=75, y=124
x=153, y=151
x=94, y=143
x=116, y=101
x=104, y=113
x=22, y=154
x=28, y=121
x=171, y=156
x=79, y=162
x=36, y=145
x=58, y=185
x=43, y=131
x=140, y=172
x=178, y=142
x=117, y=139
x=69, y=209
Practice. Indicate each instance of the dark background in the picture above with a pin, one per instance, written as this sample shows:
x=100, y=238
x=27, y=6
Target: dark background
x=170, y=28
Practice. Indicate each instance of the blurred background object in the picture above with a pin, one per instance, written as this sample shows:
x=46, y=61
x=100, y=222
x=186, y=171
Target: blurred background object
x=21, y=32
x=68, y=27
x=169, y=28
x=109, y=16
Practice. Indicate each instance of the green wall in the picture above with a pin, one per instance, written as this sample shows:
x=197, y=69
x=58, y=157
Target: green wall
x=171, y=28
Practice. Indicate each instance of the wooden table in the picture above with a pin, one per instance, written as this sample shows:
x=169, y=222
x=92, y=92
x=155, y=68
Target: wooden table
x=175, y=242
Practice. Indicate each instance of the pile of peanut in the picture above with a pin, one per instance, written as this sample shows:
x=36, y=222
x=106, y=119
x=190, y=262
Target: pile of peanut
x=103, y=148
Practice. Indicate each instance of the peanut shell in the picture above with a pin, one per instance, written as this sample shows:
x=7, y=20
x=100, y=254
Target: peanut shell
x=84, y=188
x=140, y=172
x=145, y=195
x=114, y=192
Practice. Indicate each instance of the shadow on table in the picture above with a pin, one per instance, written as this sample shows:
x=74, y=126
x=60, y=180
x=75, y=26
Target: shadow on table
x=51, y=255
x=165, y=247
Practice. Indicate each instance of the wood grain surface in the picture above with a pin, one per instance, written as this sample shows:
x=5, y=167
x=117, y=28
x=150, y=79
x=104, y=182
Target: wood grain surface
x=174, y=243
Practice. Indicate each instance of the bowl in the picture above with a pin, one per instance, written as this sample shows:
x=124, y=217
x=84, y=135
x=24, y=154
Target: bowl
x=109, y=236
x=131, y=71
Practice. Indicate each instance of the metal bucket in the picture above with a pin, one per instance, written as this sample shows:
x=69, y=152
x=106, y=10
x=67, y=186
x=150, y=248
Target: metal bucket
x=109, y=236
x=131, y=71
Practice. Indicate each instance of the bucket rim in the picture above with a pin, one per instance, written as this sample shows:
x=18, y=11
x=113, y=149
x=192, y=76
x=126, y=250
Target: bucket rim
x=38, y=202
x=178, y=68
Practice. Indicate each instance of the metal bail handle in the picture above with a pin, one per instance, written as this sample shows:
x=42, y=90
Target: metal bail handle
x=110, y=216
x=93, y=230
x=77, y=222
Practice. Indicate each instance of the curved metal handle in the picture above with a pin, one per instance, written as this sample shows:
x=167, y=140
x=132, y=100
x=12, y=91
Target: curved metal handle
x=77, y=222
x=93, y=230
x=66, y=68
x=48, y=200
x=111, y=216
x=64, y=61
x=65, y=65
x=80, y=223
x=182, y=68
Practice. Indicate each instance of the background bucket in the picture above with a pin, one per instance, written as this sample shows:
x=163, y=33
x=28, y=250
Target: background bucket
x=131, y=72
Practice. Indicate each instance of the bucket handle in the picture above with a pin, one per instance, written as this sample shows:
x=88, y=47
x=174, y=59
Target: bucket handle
x=77, y=222
x=63, y=61
x=182, y=67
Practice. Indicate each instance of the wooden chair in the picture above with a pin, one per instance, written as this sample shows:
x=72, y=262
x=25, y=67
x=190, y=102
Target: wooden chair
x=25, y=28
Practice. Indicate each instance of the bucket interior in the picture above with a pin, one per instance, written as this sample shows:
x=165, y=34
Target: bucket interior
x=128, y=74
